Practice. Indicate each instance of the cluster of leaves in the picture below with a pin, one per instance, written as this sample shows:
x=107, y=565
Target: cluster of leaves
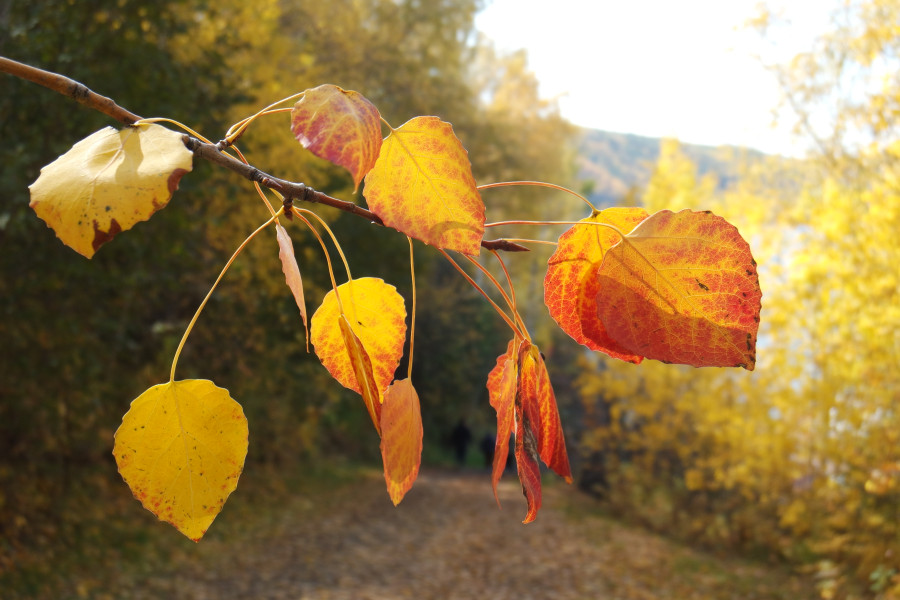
x=676, y=287
x=799, y=458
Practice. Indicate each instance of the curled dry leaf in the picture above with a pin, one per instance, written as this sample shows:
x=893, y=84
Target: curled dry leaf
x=401, y=438
x=375, y=314
x=108, y=182
x=539, y=402
x=422, y=185
x=292, y=273
x=341, y=126
x=181, y=449
x=361, y=366
x=501, y=384
x=571, y=283
x=520, y=391
x=683, y=288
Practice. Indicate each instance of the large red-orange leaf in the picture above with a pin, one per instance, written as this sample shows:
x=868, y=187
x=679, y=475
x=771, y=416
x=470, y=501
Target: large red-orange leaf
x=571, y=284
x=376, y=315
x=340, y=126
x=292, y=273
x=501, y=386
x=527, y=426
x=401, y=438
x=682, y=288
x=422, y=185
x=539, y=404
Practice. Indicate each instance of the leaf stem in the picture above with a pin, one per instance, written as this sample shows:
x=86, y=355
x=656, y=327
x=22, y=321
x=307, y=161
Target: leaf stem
x=552, y=186
x=256, y=184
x=178, y=124
x=510, y=301
x=607, y=225
x=190, y=326
x=471, y=281
x=333, y=240
x=412, y=326
x=237, y=130
x=300, y=214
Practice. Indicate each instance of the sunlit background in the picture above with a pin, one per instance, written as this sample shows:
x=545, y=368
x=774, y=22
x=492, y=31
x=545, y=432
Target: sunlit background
x=693, y=70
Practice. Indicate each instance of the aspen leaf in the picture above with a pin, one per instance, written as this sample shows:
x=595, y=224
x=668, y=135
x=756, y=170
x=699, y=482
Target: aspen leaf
x=361, y=367
x=108, y=182
x=292, y=273
x=527, y=426
x=181, y=448
x=539, y=402
x=571, y=284
x=341, y=126
x=501, y=384
x=401, y=438
x=376, y=316
x=422, y=185
x=682, y=288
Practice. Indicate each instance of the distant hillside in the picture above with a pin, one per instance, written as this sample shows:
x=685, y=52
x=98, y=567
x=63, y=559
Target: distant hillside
x=614, y=163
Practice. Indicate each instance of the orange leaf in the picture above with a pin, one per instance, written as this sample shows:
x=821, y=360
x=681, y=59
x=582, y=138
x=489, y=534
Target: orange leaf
x=401, y=438
x=571, y=285
x=292, y=273
x=539, y=403
x=361, y=366
x=376, y=316
x=683, y=288
x=527, y=444
x=340, y=126
x=422, y=185
x=501, y=386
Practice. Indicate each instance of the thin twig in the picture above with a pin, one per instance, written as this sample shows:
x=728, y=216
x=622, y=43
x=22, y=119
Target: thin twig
x=69, y=88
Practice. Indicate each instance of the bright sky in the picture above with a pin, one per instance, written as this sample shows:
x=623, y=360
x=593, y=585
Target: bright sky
x=673, y=68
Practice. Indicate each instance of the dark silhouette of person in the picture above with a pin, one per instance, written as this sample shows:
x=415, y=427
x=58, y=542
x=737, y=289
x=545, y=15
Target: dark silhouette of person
x=459, y=441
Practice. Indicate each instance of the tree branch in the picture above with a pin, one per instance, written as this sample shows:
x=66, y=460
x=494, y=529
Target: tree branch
x=68, y=87
x=289, y=189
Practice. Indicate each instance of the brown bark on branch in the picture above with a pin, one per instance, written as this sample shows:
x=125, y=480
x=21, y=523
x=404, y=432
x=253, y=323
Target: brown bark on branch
x=68, y=87
x=289, y=189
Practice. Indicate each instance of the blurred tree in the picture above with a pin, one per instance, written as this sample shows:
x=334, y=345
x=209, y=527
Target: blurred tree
x=81, y=338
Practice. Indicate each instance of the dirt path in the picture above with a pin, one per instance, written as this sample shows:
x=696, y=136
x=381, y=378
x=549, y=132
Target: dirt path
x=448, y=540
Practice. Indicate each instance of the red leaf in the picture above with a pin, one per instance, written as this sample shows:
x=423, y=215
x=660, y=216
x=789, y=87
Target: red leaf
x=527, y=445
x=502, y=381
x=401, y=438
x=571, y=284
x=539, y=403
x=340, y=126
x=682, y=288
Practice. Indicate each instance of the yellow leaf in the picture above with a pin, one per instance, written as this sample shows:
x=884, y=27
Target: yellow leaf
x=377, y=316
x=108, y=182
x=422, y=185
x=181, y=448
x=401, y=438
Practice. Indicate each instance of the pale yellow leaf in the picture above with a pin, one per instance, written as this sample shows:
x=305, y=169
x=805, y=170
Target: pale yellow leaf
x=108, y=182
